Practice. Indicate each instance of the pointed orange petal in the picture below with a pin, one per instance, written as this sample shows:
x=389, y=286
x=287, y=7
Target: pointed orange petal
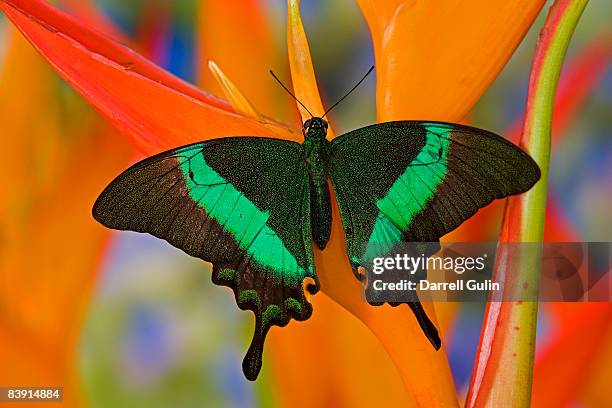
x=303, y=76
x=238, y=101
x=435, y=59
x=141, y=100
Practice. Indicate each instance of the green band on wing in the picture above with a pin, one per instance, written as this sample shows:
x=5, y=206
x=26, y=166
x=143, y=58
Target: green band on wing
x=383, y=236
x=412, y=191
x=239, y=217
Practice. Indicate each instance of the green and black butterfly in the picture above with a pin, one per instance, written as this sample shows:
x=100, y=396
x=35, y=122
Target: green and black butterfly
x=252, y=206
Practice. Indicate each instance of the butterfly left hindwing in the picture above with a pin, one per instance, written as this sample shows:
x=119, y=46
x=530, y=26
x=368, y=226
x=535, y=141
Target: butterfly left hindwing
x=241, y=203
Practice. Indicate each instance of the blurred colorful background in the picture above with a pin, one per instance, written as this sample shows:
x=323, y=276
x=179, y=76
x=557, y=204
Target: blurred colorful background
x=125, y=320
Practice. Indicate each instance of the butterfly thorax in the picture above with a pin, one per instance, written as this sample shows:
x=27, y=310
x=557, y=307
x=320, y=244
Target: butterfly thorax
x=316, y=156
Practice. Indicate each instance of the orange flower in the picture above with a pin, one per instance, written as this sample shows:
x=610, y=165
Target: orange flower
x=433, y=62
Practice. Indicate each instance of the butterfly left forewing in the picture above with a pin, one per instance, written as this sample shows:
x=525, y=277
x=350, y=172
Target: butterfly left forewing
x=240, y=203
x=410, y=181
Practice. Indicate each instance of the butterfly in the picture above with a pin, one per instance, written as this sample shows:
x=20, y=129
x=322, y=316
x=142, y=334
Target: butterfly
x=254, y=206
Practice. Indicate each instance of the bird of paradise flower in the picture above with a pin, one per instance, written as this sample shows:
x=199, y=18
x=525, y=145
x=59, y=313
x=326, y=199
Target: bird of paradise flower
x=209, y=117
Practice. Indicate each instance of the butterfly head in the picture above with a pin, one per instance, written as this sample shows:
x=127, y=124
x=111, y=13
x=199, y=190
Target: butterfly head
x=315, y=128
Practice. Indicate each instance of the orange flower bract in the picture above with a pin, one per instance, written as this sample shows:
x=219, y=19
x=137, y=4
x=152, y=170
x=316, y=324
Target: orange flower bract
x=434, y=61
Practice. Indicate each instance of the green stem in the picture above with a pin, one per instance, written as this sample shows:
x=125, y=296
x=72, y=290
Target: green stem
x=503, y=372
x=550, y=54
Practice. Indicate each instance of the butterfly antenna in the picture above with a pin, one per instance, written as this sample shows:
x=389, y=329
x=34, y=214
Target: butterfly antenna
x=349, y=92
x=290, y=93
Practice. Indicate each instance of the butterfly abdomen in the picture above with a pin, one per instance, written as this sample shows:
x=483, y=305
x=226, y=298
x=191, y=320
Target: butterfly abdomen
x=320, y=212
x=316, y=153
